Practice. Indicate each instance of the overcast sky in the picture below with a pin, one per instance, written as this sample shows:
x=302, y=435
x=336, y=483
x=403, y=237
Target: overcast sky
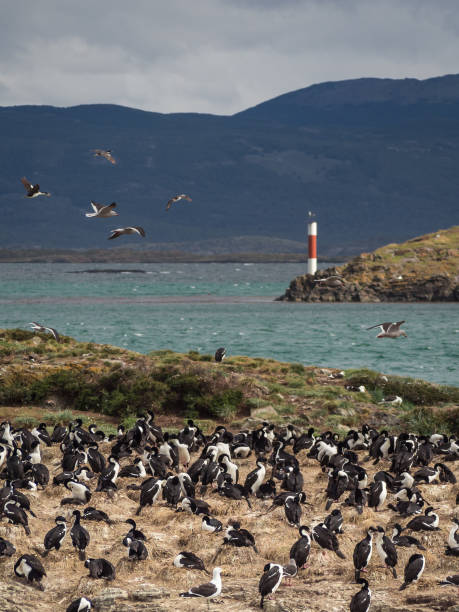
x=213, y=56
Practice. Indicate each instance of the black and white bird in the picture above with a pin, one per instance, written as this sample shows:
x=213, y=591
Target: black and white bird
x=92, y=514
x=235, y=536
x=211, y=524
x=122, y=231
x=362, y=553
x=220, y=354
x=30, y=567
x=270, y=580
x=326, y=539
x=450, y=581
x=255, y=478
x=81, y=493
x=293, y=510
x=137, y=550
x=390, y=330
x=386, y=550
x=361, y=601
x=42, y=328
x=133, y=532
x=208, y=589
x=106, y=154
x=80, y=536
x=301, y=548
x=413, y=570
x=149, y=493
x=404, y=540
x=334, y=521
x=189, y=560
x=453, y=536
x=55, y=536
x=102, y=211
x=82, y=604
x=429, y=522
x=100, y=568
x=16, y=515
x=33, y=191
x=136, y=470
x=377, y=494
x=177, y=198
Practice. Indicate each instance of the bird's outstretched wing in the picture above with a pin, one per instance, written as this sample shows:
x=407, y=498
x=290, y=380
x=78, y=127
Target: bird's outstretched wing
x=96, y=206
x=116, y=233
x=26, y=184
x=139, y=230
x=54, y=333
x=383, y=326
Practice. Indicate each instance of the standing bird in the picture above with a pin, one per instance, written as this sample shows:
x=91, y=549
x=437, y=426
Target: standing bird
x=390, y=330
x=106, y=154
x=41, y=328
x=301, y=548
x=55, y=536
x=293, y=510
x=386, y=550
x=80, y=537
x=33, y=191
x=133, y=532
x=134, y=229
x=270, y=580
x=453, y=536
x=177, y=198
x=377, y=495
x=361, y=601
x=413, y=570
x=208, y=589
x=362, y=553
x=30, y=567
x=82, y=604
x=102, y=211
x=220, y=354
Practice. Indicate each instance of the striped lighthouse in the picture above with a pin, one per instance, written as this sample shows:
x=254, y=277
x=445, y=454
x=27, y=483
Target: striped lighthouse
x=312, y=245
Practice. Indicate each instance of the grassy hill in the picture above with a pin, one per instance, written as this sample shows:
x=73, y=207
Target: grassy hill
x=42, y=381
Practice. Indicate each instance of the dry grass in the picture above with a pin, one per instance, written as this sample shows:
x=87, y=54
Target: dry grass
x=327, y=583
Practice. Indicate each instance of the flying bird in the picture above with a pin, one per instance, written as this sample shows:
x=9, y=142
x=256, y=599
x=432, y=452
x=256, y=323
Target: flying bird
x=33, y=191
x=390, y=330
x=42, y=328
x=107, y=154
x=135, y=229
x=177, y=198
x=102, y=211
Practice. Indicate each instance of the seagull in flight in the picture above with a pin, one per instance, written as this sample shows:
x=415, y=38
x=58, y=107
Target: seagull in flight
x=41, y=328
x=177, y=198
x=102, y=211
x=33, y=191
x=135, y=229
x=107, y=154
x=390, y=330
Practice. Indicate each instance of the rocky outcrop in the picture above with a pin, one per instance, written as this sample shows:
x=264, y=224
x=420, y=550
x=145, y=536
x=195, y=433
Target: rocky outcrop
x=424, y=269
x=436, y=288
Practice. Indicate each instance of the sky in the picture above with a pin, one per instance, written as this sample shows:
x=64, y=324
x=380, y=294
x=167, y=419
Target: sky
x=213, y=56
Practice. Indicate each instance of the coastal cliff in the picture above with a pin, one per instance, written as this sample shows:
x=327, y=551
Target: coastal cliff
x=424, y=269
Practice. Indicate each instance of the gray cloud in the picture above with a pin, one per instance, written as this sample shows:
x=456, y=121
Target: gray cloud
x=217, y=56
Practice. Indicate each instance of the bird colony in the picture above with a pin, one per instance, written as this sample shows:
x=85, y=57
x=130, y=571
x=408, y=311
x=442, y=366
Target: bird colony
x=307, y=518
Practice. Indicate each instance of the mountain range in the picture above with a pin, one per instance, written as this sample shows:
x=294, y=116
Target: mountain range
x=377, y=160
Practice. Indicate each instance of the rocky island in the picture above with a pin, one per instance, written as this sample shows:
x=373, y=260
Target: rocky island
x=423, y=269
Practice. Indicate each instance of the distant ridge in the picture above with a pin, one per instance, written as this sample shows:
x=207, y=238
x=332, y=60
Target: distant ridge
x=360, y=153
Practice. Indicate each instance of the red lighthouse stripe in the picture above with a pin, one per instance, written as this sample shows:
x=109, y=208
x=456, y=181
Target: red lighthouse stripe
x=312, y=247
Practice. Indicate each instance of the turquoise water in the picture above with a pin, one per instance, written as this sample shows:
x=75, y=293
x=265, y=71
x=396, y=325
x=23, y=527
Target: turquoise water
x=202, y=306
